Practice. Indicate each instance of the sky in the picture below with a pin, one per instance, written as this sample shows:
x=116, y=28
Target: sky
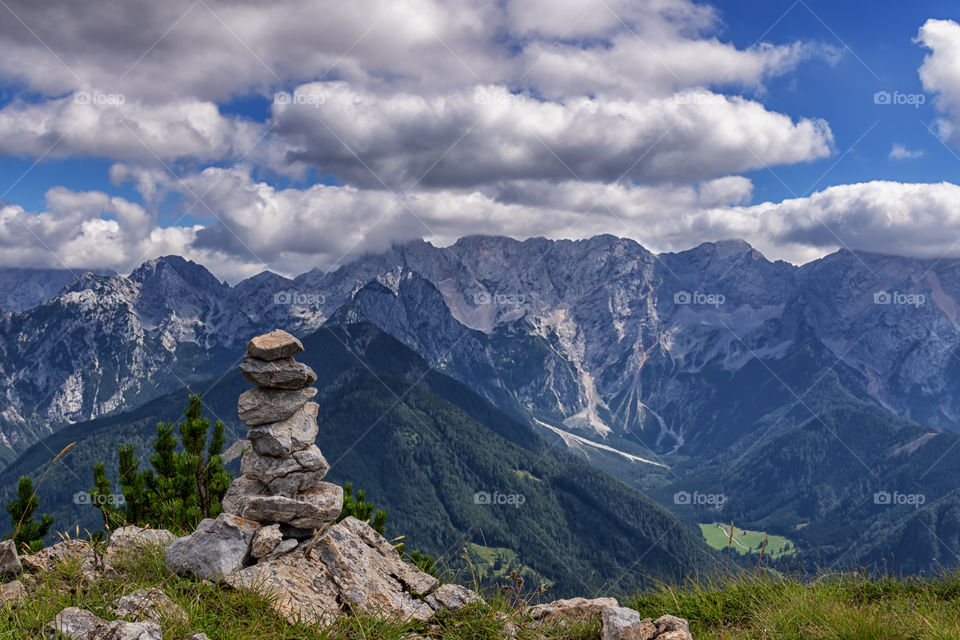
x=302, y=133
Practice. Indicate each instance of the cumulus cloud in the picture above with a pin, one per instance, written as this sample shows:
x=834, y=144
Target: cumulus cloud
x=913, y=219
x=488, y=134
x=940, y=72
x=522, y=117
x=107, y=125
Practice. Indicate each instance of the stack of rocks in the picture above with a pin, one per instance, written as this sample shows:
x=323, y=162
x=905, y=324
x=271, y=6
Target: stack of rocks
x=282, y=483
x=276, y=535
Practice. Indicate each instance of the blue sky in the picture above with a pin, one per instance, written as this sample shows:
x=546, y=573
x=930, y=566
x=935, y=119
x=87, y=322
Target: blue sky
x=298, y=135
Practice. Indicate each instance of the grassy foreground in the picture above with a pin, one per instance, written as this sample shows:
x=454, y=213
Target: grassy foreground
x=761, y=606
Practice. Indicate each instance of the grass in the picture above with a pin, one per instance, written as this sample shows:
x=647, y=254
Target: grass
x=841, y=606
x=745, y=541
x=761, y=605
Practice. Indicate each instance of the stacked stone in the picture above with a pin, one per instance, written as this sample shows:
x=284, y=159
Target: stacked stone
x=282, y=483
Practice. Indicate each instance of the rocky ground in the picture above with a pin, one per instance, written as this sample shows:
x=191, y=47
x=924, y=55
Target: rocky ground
x=122, y=590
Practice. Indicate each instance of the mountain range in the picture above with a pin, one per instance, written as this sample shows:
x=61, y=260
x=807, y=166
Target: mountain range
x=800, y=394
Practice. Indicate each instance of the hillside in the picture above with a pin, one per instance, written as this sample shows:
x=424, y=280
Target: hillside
x=425, y=460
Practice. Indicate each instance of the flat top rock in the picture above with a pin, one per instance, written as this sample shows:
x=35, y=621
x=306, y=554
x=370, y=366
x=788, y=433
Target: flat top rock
x=274, y=345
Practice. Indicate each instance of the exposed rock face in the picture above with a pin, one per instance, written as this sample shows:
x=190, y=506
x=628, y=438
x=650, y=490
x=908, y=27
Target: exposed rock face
x=371, y=576
x=300, y=588
x=218, y=547
x=78, y=624
x=352, y=567
x=9, y=560
x=274, y=345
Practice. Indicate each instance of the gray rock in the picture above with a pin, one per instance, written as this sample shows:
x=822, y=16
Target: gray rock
x=294, y=433
x=135, y=539
x=10, y=564
x=304, y=469
x=77, y=624
x=577, y=609
x=266, y=541
x=274, y=345
x=314, y=508
x=285, y=373
x=672, y=628
x=12, y=593
x=218, y=547
x=285, y=546
x=351, y=566
x=234, y=499
x=621, y=623
x=299, y=589
x=370, y=575
x=452, y=596
x=151, y=605
x=199, y=636
x=48, y=559
x=263, y=406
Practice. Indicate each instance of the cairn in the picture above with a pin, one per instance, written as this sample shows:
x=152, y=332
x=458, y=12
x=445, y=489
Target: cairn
x=282, y=483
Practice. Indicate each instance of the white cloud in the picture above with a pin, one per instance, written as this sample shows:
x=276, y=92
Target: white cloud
x=940, y=72
x=487, y=134
x=117, y=128
x=912, y=219
x=900, y=152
